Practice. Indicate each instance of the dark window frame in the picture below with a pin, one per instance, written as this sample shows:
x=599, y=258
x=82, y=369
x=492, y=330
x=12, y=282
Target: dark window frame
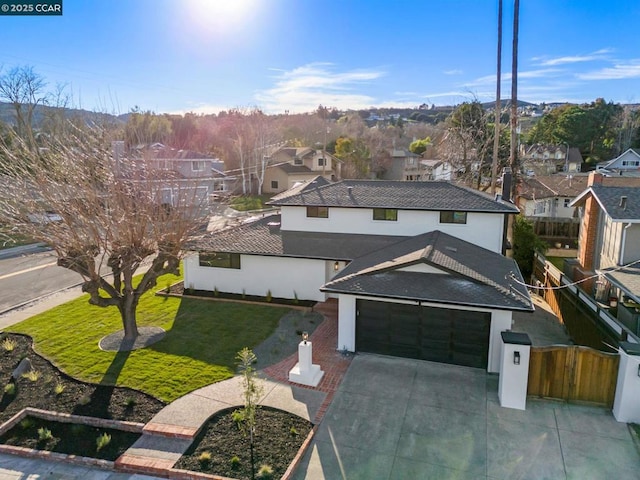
x=219, y=260
x=385, y=214
x=274, y=184
x=318, y=212
x=453, y=217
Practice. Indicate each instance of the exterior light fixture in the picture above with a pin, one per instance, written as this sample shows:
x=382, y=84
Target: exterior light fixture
x=639, y=370
x=516, y=358
x=336, y=266
x=305, y=337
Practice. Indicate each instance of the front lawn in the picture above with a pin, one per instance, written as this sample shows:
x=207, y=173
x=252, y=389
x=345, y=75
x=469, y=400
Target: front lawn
x=199, y=348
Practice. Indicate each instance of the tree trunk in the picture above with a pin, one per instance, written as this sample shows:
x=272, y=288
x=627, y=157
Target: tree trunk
x=128, y=313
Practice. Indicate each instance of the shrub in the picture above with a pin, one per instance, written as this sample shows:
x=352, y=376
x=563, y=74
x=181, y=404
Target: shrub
x=235, y=462
x=84, y=399
x=238, y=417
x=265, y=472
x=205, y=457
x=130, y=402
x=27, y=423
x=8, y=344
x=293, y=431
x=44, y=434
x=32, y=375
x=10, y=388
x=102, y=441
x=58, y=389
x=216, y=293
x=78, y=429
x=269, y=297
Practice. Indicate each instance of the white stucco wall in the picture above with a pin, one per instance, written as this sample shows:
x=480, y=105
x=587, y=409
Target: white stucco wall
x=283, y=276
x=500, y=321
x=483, y=229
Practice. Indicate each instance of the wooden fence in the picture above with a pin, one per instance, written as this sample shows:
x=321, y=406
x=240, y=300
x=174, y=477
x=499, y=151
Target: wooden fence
x=573, y=373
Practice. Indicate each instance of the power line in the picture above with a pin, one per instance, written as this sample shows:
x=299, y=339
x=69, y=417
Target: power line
x=572, y=284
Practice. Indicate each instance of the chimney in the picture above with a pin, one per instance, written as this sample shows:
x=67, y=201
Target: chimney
x=350, y=190
x=623, y=202
x=595, y=178
x=506, y=184
x=274, y=227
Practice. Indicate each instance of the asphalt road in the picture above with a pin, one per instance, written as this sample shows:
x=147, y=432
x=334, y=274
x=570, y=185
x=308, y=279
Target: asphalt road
x=30, y=276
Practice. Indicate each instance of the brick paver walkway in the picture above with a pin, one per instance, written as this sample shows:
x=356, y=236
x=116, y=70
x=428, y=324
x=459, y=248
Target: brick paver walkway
x=332, y=362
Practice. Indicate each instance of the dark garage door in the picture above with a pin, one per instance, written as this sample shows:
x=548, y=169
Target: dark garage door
x=427, y=333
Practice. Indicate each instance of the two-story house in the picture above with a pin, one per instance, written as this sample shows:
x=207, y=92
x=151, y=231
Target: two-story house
x=609, y=238
x=542, y=159
x=626, y=163
x=404, y=165
x=549, y=196
x=417, y=267
x=288, y=166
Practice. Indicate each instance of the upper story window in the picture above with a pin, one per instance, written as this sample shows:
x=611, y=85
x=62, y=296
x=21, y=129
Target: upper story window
x=318, y=212
x=220, y=260
x=453, y=217
x=411, y=161
x=297, y=161
x=274, y=184
x=389, y=214
x=321, y=162
x=567, y=201
x=197, y=166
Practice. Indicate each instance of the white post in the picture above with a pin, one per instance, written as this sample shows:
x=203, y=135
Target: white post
x=305, y=372
x=514, y=370
x=626, y=407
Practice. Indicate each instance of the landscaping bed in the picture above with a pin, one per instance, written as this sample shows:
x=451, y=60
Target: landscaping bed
x=178, y=289
x=69, y=438
x=221, y=448
x=47, y=388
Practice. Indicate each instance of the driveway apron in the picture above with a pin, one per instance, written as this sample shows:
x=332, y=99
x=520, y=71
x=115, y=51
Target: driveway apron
x=395, y=418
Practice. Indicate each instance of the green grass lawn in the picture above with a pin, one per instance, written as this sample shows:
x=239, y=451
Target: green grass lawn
x=199, y=348
x=557, y=262
x=244, y=203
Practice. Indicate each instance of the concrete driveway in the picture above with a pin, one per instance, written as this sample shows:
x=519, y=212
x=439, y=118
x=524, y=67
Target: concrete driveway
x=395, y=418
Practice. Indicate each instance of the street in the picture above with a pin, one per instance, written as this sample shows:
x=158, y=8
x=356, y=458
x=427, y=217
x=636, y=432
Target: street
x=31, y=276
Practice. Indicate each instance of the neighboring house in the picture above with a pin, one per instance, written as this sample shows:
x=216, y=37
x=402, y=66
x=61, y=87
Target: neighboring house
x=542, y=159
x=549, y=196
x=438, y=170
x=627, y=162
x=609, y=239
x=176, y=175
x=404, y=165
x=289, y=166
x=416, y=267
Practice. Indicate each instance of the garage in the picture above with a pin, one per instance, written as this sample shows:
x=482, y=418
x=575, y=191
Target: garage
x=444, y=335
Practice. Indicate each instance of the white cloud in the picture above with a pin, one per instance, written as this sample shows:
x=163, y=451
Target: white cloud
x=304, y=88
x=550, y=62
x=617, y=72
x=491, y=79
x=453, y=72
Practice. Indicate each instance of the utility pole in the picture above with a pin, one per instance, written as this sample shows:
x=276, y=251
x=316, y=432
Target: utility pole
x=514, y=100
x=498, y=110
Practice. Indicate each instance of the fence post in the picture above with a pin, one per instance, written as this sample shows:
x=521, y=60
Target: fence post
x=514, y=370
x=626, y=407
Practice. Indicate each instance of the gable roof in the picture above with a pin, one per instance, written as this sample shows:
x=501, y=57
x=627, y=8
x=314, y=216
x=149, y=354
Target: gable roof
x=610, y=200
x=611, y=162
x=552, y=186
x=290, y=168
x=397, y=194
x=471, y=275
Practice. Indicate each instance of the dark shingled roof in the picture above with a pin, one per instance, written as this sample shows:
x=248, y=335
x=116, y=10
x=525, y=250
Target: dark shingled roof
x=626, y=278
x=316, y=182
x=476, y=276
x=610, y=200
x=289, y=168
x=257, y=238
x=397, y=194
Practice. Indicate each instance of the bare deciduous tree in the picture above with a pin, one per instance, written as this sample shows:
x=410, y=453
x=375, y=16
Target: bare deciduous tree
x=106, y=215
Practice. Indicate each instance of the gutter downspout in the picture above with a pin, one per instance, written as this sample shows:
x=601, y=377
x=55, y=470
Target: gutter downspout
x=623, y=243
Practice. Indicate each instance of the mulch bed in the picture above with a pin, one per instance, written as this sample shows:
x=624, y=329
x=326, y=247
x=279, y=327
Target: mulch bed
x=178, y=289
x=55, y=391
x=69, y=438
x=277, y=439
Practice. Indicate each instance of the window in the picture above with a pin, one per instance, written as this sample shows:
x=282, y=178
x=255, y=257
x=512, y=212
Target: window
x=197, y=166
x=390, y=214
x=220, y=260
x=318, y=212
x=297, y=161
x=274, y=184
x=567, y=201
x=321, y=162
x=453, y=217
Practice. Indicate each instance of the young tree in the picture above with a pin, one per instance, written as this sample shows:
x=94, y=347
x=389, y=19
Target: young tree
x=525, y=244
x=108, y=215
x=251, y=393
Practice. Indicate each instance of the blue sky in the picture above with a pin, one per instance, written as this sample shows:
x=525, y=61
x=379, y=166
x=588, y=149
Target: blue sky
x=208, y=55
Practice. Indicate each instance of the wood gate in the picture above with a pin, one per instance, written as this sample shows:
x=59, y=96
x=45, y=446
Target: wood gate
x=573, y=373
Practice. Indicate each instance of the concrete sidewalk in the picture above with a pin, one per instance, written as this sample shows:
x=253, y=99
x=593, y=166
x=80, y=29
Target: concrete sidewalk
x=423, y=420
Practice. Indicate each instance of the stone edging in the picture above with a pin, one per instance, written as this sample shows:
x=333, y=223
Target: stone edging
x=293, y=466
x=65, y=418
